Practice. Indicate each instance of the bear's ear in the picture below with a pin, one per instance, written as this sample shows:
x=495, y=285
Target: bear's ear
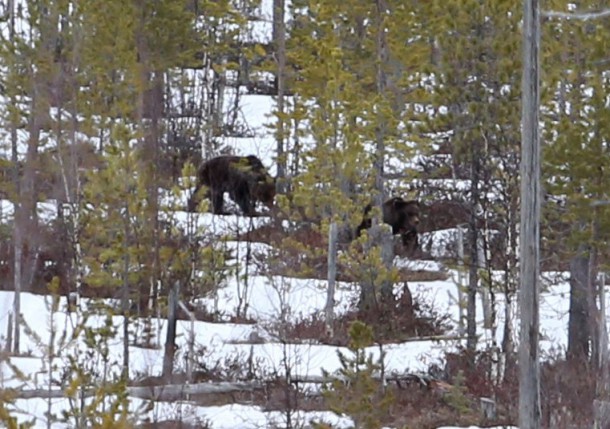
x=399, y=203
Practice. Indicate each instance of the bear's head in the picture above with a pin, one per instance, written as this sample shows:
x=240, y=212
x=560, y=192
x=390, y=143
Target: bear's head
x=402, y=215
x=264, y=191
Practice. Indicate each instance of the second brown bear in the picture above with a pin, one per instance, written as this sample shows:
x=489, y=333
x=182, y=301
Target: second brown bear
x=245, y=178
x=401, y=215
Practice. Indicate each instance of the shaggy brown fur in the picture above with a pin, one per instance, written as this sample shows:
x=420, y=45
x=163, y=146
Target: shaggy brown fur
x=245, y=178
x=401, y=215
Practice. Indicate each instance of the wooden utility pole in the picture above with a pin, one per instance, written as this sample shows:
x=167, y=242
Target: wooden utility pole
x=529, y=241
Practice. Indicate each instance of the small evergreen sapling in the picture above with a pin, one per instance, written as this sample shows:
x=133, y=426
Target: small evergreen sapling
x=356, y=390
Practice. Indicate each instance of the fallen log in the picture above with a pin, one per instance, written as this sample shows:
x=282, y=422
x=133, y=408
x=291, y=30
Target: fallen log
x=422, y=379
x=168, y=392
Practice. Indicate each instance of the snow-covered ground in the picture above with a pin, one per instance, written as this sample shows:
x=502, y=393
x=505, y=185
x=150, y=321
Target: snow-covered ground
x=225, y=342
x=268, y=297
x=230, y=342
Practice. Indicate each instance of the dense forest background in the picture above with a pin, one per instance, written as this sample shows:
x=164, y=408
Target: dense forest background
x=108, y=110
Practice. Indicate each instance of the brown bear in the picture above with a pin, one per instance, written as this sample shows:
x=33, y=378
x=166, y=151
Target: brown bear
x=245, y=178
x=401, y=215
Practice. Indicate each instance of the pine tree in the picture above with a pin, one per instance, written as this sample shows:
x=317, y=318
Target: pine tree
x=349, y=74
x=124, y=77
x=356, y=391
x=575, y=167
x=476, y=96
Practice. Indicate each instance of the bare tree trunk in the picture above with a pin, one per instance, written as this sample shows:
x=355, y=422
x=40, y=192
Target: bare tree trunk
x=599, y=334
x=17, y=226
x=595, y=321
x=601, y=414
x=332, y=277
x=150, y=111
x=387, y=259
x=156, y=277
x=25, y=210
x=18, y=246
x=296, y=147
x=69, y=165
x=13, y=343
x=125, y=301
x=510, y=280
x=487, y=289
x=578, y=322
x=170, y=340
x=377, y=235
x=601, y=406
x=207, y=142
x=279, y=38
x=529, y=370
x=382, y=237
x=473, y=272
x=75, y=212
x=603, y=384
x=25, y=223
x=153, y=147
x=461, y=280
x=380, y=131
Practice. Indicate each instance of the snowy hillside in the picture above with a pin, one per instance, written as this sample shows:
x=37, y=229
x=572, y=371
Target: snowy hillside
x=253, y=347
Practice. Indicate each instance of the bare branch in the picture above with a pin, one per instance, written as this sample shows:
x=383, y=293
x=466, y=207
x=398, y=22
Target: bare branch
x=583, y=16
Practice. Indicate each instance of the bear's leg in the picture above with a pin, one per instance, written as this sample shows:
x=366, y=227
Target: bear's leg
x=194, y=199
x=191, y=204
x=365, y=224
x=217, y=201
x=410, y=240
x=244, y=200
